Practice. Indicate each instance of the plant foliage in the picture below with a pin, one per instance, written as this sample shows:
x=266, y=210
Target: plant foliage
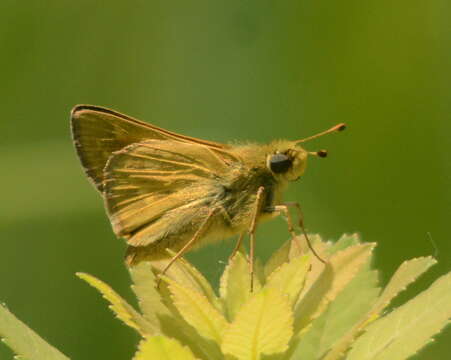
x=300, y=308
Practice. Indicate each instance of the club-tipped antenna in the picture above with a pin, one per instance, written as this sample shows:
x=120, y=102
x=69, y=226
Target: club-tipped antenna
x=319, y=153
x=323, y=153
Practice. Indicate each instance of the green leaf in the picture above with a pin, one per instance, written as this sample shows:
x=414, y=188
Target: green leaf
x=188, y=276
x=406, y=273
x=259, y=273
x=123, y=310
x=317, y=266
x=279, y=257
x=264, y=325
x=345, y=241
x=338, y=272
x=235, y=284
x=408, y=328
x=175, y=325
x=198, y=311
x=294, y=248
x=289, y=278
x=23, y=341
x=299, y=246
x=162, y=348
x=349, y=306
x=196, y=281
x=149, y=299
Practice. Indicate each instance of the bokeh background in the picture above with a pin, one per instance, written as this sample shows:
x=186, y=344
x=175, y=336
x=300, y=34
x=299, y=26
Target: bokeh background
x=220, y=70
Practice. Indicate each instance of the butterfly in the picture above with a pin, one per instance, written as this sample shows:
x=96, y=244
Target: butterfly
x=164, y=190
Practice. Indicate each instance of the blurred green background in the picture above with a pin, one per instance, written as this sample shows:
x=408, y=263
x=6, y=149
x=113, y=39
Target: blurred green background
x=224, y=71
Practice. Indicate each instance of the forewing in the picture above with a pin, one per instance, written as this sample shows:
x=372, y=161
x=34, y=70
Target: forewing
x=99, y=132
x=149, y=184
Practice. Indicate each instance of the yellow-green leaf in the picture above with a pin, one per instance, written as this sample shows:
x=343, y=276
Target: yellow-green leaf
x=338, y=272
x=149, y=299
x=317, y=266
x=162, y=348
x=406, y=273
x=299, y=246
x=345, y=241
x=197, y=311
x=174, y=325
x=178, y=328
x=404, y=331
x=279, y=257
x=235, y=284
x=289, y=278
x=188, y=276
x=169, y=320
x=177, y=271
x=263, y=326
x=24, y=341
x=123, y=310
x=349, y=306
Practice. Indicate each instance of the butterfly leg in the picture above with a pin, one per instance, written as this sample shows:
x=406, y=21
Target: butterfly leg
x=301, y=225
x=252, y=227
x=186, y=247
x=237, y=246
x=284, y=209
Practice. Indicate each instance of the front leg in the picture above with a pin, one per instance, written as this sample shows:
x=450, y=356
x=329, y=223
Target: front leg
x=284, y=208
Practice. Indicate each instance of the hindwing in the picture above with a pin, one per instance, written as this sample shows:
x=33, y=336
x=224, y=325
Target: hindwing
x=153, y=185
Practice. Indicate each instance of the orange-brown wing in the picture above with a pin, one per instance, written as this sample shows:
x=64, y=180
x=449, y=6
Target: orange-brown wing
x=99, y=132
x=154, y=187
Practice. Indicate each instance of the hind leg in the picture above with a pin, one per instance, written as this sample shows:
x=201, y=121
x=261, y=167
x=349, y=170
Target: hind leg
x=190, y=243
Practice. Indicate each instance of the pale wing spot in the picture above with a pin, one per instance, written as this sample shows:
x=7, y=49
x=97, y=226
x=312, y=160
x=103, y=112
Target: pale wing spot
x=125, y=187
x=130, y=200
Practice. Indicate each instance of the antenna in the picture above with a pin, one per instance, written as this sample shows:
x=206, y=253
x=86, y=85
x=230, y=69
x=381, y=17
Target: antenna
x=319, y=153
x=323, y=153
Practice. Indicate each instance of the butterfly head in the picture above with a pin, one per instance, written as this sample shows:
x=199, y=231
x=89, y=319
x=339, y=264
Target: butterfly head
x=288, y=160
x=287, y=163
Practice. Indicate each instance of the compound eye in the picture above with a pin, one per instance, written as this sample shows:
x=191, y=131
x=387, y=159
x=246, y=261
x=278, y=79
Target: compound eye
x=279, y=163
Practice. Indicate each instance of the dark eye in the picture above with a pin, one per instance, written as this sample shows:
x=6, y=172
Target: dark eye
x=279, y=163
